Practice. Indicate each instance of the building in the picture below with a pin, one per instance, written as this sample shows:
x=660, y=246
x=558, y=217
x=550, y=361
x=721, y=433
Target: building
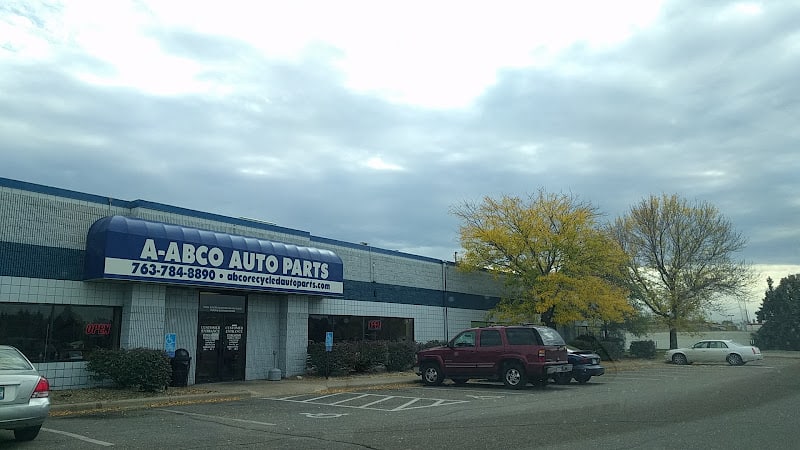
x=82, y=271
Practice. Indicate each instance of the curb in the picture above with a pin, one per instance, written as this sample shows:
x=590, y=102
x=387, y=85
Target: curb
x=236, y=392
x=148, y=402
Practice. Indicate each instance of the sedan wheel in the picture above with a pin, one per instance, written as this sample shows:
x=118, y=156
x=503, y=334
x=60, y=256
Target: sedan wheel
x=514, y=376
x=679, y=358
x=735, y=360
x=26, y=434
x=563, y=378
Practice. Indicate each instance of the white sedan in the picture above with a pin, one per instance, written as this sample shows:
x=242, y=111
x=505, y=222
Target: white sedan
x=723, y=350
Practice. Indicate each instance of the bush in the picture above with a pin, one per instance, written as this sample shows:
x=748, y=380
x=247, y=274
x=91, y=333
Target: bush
x=401, y=356
x=142, y=368
x=643, y=349
x=611, y=349
x=359, y=357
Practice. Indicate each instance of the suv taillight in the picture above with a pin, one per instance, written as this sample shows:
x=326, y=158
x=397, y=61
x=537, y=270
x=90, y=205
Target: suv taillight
x=42, y=388
x=542, y=354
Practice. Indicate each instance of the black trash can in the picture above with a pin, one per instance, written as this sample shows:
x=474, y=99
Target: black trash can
x=180, y=367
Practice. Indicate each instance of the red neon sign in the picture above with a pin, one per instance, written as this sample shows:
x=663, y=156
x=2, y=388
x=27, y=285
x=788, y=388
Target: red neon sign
x=103, y=329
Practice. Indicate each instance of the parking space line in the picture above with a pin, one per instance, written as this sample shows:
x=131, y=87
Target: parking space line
x=349, y=399
x=409, y=403
x=382, y=400
x=79, y=437
x=217, y=418
x=377, y=401
x=320, y=398
x=470, y=390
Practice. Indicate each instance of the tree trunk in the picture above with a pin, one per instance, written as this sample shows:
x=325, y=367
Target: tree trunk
x=673, y=338
x=547, y=317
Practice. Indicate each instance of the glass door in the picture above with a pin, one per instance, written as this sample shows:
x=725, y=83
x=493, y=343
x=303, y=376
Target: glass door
x=221, y=338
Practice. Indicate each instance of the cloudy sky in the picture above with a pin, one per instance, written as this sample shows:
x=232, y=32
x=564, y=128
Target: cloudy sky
x=368, y=121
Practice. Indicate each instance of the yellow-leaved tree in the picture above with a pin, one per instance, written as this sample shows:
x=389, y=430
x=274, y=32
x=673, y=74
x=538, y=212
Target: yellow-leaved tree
x=559, y=264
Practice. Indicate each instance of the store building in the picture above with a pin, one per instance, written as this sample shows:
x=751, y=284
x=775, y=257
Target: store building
x=82, y=271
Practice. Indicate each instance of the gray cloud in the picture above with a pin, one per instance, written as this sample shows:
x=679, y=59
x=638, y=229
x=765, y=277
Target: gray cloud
x=695, y=105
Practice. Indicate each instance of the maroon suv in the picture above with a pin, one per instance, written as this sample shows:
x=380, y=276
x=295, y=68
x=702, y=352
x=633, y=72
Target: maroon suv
x=515, y=354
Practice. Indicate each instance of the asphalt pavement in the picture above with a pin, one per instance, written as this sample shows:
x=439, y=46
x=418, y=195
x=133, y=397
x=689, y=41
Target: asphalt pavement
x=296, y=385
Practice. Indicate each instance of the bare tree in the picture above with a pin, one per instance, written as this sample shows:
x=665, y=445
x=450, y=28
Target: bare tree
x=681, y=261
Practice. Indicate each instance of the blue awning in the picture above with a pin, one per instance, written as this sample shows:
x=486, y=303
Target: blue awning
x=125, y=248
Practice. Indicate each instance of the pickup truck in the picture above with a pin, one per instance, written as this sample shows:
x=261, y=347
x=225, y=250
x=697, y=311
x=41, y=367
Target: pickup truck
x=514, y=354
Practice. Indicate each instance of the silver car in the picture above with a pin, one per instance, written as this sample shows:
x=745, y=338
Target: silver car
x=715, y=350
x=24, y=395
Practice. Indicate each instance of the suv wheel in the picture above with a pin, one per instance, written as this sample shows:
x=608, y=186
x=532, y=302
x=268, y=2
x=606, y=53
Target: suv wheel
x=514, y=376
x=431, y=374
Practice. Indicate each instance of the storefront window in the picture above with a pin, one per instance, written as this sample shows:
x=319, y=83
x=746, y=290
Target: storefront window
x=47, y=333
x=360, y=328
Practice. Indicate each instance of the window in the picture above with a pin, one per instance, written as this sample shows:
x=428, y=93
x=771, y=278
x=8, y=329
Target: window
x=490, y=338
x=360, y=328
x=701, y=345
x=465, y=339
x=521, y=336
x=47, y=333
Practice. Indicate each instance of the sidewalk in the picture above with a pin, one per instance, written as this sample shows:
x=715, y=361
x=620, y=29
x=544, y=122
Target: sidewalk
x=237, y=390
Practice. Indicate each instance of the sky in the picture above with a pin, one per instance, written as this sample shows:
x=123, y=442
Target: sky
x=370, y=121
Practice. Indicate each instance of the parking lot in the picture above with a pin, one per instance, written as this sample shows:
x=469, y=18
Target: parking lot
x=474, y=415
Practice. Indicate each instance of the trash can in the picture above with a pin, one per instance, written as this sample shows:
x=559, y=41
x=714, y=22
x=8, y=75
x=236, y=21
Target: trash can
x=180, y=367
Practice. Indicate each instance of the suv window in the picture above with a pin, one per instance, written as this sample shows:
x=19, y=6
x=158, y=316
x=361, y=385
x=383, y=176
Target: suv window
x=465, y=339
x=550, y=336
x=521, y=336
x=490, y=338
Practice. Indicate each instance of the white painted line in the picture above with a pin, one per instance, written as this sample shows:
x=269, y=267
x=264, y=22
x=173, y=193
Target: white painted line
x=311, y=400
x=348, y=399
x=408, y=403
x=322, y=415
x=79, y=437
x=378, y=401
x=471, y=391
x=216, y=418
x=406, y=406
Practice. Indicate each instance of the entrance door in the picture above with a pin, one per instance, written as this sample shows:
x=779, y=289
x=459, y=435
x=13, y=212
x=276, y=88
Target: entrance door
x=220, y=343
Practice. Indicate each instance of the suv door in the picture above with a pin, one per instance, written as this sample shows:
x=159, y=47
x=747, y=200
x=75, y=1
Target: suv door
x=462, y=358
x=490, y=349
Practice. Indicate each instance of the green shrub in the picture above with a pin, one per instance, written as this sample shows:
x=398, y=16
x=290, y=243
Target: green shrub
x=610, y=350
x=369, y=354
x=643, y=349
x=142, y=368
x=359, y=357
x=339, y=361
x=401, y=356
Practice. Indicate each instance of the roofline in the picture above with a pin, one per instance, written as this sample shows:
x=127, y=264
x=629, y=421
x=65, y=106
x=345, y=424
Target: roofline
x=252, y=223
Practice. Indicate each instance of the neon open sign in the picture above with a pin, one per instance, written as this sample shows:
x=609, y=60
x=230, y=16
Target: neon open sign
x=103, y=329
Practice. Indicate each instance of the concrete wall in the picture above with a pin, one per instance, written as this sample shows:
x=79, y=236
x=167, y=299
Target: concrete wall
x=689, y=339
